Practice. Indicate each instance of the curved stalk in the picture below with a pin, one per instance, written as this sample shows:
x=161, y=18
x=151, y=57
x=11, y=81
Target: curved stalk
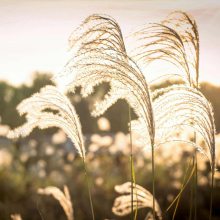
x=211, y=198
x=191, y=202
x=192, y=193
x=179, y=194
x=195, y=184
x=133, y=179
x=89, y=191
x=178, y=200
x=131, y=164
x=153, y=179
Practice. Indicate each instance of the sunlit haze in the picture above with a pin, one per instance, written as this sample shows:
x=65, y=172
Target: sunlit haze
x=34, y=34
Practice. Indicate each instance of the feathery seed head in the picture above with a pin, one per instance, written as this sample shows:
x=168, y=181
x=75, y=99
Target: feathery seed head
x=62, y=197
x=141, y=199
x=39, y=112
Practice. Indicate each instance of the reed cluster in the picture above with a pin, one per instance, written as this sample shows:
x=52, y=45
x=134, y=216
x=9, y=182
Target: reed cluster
x=99, y=54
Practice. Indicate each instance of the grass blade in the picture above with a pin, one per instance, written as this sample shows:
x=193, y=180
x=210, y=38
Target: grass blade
x=153, y=179
x=179, y=194
x=131, y=163
x=184, y=180
x=89, y=191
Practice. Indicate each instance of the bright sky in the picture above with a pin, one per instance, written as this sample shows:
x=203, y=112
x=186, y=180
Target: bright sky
x=34, y=33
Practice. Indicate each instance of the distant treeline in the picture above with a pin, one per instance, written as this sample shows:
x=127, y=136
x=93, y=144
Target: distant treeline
x=11, y=96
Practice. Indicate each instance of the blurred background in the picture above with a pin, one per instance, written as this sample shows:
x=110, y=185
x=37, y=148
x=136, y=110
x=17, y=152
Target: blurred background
x=33, y=46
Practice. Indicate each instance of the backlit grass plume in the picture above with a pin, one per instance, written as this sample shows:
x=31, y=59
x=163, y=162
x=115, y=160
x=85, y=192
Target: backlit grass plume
x=97, y=32
x=185, y=107
x=174, y=41
x=62, y=197
x=95, y=64
x=50, y=108
x=142, y=199
x=178, y=108
x=96, y=59
x=101, y=30
x=99, y=55
x=100, y=62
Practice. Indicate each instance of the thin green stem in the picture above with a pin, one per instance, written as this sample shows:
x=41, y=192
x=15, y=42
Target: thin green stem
x=178, y=200
x=190, y=176
x=89, y=191
x=211, y=197
x=195, y=185
x=191, y=202
x=132, y=169
x=195, y=179
x=192, y=189
x=134, y=180
x=131, y=164
x=153, y=179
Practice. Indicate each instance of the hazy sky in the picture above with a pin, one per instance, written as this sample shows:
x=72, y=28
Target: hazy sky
x=34, y=34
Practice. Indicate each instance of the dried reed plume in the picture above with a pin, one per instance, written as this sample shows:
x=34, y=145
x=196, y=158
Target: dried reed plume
x=50, y=108
x=102, y=58
x=185, y=107
x=142, y=199
x=181, y=107
x=175, y=41
x=62, y=197
x=99, y=55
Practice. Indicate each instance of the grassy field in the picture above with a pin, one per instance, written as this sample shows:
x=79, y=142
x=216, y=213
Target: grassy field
x=165, y=167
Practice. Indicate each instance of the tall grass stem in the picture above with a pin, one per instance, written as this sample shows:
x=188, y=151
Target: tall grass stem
x=131, y=164
x=184, y=182
x=153, y=179
x=190, y=176
x=195, y=184
x=191, y=199
x=89, y=191
x=211, y=197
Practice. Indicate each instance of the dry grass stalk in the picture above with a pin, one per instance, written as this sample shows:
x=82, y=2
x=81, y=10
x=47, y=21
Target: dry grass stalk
x=175, y=41
x=62, y=197
x=99, y=55
x=50, y=108
x=142, y=199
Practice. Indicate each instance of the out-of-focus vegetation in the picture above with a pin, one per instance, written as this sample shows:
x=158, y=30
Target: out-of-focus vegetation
x=11, y=96
x=48, y=158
